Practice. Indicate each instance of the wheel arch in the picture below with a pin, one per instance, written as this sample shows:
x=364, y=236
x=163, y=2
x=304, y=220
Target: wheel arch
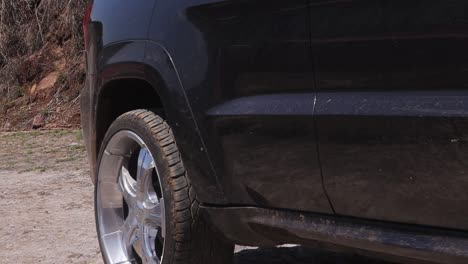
x=151, y=82
x=122, y=95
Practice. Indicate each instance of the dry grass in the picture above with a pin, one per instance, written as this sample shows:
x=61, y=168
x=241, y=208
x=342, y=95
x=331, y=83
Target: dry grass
x=36, y=38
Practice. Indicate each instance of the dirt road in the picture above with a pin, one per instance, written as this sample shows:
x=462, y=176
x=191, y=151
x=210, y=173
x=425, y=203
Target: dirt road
x=46, y=207
x=46, y=204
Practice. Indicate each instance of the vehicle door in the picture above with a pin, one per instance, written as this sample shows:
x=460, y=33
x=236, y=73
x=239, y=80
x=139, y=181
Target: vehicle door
x=392, y=108
x=247, y=72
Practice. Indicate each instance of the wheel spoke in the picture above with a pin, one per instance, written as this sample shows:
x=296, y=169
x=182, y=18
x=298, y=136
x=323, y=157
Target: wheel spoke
x=155, y=215
x=115, y=243
x=129, y=232
x=130, y=211
x=128, y=187
x=149, y=244
x=144, y=173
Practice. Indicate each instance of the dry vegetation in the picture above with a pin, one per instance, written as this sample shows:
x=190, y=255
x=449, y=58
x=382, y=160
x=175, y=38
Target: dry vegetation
x=41, y=62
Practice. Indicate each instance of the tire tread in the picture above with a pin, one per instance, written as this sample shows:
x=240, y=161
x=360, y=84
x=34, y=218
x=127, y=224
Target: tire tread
x=194, y=241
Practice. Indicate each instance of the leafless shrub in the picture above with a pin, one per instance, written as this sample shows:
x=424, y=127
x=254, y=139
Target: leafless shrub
x=29, y=31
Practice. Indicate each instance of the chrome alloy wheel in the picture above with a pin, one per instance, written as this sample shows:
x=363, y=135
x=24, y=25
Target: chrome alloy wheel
x=129, y=202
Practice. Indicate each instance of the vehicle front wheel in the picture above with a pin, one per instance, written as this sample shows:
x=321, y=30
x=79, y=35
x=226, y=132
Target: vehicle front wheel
x=146, y=208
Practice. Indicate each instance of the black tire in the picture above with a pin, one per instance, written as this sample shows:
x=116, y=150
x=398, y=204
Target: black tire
x=188, y=238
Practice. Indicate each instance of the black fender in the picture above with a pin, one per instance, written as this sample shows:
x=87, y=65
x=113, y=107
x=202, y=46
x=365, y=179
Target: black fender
x=150, y=61
x=162, y=74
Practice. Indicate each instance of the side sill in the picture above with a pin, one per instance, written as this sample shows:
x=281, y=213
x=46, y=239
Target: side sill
x=265, y=227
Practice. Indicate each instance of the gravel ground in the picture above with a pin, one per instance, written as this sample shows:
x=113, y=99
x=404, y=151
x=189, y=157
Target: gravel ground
x=46, y=207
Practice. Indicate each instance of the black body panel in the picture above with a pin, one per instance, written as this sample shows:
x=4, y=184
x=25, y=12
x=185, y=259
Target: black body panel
x=247, y=74
x=323, y=123
x=114, y=51
x=392, y=109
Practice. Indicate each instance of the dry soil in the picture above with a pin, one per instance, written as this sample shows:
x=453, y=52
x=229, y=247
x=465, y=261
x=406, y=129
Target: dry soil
x=46, y=207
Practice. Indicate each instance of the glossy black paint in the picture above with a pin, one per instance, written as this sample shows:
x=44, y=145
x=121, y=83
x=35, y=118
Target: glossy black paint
x=236, y=60
x=111, y=48
x=354, y=108
x=392, y=109
x=106, y=39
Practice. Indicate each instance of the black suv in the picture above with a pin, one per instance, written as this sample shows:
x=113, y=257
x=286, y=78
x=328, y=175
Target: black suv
x=336, y=124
